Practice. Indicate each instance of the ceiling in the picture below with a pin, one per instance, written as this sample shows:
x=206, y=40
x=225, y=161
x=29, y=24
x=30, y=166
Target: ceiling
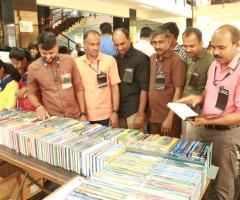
x=146, y=9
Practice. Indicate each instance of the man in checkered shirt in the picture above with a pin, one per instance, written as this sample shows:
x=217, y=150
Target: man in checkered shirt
x=173, y=29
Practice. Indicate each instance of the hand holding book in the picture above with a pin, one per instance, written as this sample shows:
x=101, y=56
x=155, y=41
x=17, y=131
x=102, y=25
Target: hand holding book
x=192, y=100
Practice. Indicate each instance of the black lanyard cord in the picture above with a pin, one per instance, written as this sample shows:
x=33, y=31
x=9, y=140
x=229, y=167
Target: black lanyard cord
x=159, y=65
x=227, y=75
x=50, y=71
x=94, y=69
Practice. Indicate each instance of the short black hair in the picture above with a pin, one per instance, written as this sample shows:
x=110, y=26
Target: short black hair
x=19, y=54
x=146, y=32
x=172, y=27
x=47, y=40
x=106, y=28
x=11, y=70
x=90, y=32
x=124, y=31
x=191, y=30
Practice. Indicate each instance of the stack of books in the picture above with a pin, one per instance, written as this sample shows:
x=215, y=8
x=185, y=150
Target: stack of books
x=152, y=165
x=138, y=176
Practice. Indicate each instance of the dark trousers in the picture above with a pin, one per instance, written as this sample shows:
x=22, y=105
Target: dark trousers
x=155, y=128
x=104, y=122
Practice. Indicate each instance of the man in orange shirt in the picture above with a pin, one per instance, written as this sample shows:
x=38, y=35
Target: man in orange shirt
x=99, y=74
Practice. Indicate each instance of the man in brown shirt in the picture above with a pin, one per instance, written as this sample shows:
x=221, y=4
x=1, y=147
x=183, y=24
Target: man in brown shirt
x=55, y=79
x=167, y=79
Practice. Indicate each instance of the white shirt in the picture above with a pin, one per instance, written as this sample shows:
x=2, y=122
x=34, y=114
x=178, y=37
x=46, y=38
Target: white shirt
x=145, y=47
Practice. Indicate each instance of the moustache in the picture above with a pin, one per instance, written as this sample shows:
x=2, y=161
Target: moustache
x=217, y=56
x=158, y=50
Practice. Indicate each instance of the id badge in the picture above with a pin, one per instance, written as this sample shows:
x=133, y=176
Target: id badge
x=194, y=79
x=160, y=81
x=102, y=79
x=66, y=81
x=128, y=75
x=222, y=99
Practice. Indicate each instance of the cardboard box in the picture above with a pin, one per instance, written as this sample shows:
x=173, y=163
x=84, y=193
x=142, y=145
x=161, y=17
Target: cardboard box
x=9, y=181
x=30, y=189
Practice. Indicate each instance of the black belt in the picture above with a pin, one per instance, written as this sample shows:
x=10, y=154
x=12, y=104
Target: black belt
x=221, y=127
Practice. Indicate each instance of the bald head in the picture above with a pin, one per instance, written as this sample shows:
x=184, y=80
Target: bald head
x=229, y=29
x=122, y=41
x=225, y=42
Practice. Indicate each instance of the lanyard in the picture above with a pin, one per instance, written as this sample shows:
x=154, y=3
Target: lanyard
x=52, y=73
x=227, y=75
x=94, y=69
x=159, y=65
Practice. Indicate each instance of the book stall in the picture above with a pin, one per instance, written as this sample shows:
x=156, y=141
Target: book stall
x=112, y=163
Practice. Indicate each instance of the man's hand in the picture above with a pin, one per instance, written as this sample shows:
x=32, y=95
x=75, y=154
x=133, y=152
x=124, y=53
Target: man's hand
x=113, y=120
x=167, y=126
x=198, y=121
x=42, y=113
x=191, y=100
x=139, y=120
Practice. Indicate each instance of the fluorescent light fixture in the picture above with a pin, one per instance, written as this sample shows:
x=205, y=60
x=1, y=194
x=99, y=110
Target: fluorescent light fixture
x=145, y=6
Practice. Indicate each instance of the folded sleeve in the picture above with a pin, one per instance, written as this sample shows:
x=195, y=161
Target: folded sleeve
x=113, y=72
x=76, y=79
x=143, y=72
x=32, y=84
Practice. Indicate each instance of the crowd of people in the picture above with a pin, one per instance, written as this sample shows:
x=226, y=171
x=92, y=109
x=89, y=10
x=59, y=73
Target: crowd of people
x=120, y=84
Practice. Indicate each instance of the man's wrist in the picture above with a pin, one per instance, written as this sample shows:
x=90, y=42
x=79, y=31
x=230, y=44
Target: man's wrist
x=115, y=111
x=39, y=106
x=83, y=114
x=141, y=113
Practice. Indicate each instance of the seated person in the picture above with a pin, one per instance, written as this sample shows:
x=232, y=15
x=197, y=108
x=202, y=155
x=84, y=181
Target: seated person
x=9, y=78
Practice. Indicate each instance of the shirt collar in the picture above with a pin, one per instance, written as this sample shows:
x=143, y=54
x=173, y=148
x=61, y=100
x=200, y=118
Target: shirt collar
x=168, y=54
x=98, y=59
x=202, y=54
x=235, y=61
x=177, y=47
x=129, y=52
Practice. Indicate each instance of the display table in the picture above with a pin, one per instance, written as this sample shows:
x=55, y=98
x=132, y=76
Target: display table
x=29, y=164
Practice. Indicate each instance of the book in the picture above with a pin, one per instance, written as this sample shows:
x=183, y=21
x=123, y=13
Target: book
x=182, y=110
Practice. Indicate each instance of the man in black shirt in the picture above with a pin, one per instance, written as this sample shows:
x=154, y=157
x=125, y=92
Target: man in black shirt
x=133, y=67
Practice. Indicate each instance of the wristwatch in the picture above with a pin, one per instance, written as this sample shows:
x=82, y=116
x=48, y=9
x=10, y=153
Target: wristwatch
x=115, y=111
x=83, y=113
